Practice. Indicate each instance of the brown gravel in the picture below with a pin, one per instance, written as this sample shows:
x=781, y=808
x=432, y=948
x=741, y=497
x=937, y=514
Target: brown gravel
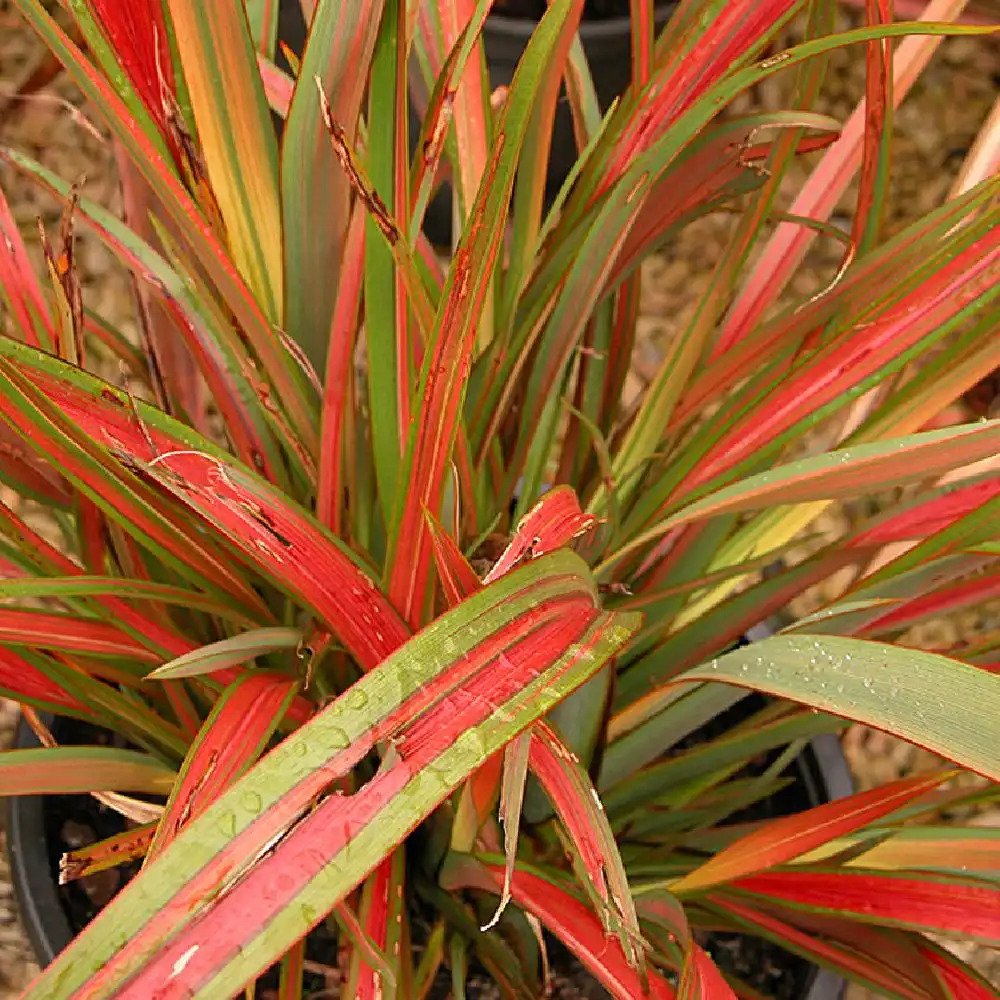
x=934, y=128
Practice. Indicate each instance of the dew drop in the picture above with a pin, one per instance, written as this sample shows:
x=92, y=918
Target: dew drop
x=251, y=802
x=338, y=739
x=357, y=697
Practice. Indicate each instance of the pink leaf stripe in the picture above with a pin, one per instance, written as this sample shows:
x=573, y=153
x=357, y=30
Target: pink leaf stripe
x=784, y=839
x=73, y=635
x=281, y=540
x=555, y=521
x=20, y=679
x=951, y=905
x=223, y=926
x=231, y=739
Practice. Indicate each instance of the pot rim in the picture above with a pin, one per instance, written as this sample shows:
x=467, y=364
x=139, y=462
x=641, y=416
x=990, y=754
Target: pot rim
x=610, y=27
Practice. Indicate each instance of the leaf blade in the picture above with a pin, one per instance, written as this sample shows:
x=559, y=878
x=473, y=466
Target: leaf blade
x=896, y=690
x=230, y=652
x=237, y=139
x=73, y=770
x=786, y=838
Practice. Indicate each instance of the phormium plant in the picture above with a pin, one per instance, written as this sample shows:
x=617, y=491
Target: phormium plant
x=386, y=548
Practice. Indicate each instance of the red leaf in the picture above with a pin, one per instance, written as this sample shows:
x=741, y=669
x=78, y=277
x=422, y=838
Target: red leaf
x=552, y=523
x=697, y=61
x=281, y=540
x=197, y=349
x=286, y=544
x=82, y=432
x=932, y=903
x=569, y=920
x=339, y=361
x=231, y=739
x=53, y=562
x=880, y=964
x=26, y=472
x=124, y=847
x=962, y=982
x=786, y=838
x=568, y=787
x=435, y=428
x=861, y=352
x=707, y=177
x=21, y=681
x=276, y=360
x=381, y=916
x=937, y=603
x=930, y=517
x=817, y=199
x=458, y=578
x=701, y=979
x=73, y=635
x=489, y=676
x=137, y=33
x=278, y=86
x=878, y=80
x=20, y=284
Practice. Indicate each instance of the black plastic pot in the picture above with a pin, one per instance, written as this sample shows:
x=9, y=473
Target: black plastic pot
x=822, y=770
x=35, y=884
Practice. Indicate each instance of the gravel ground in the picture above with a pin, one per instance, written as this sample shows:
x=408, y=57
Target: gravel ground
x=934, y=129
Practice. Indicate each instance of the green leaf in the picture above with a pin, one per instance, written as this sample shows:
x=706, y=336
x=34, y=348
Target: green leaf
x=789, y=837
x=390, y=372
x=237, y=137
x=74, y=770
x=944, y=705
x=288, y=381
x=338, y=52
x=846, y=472
x=63, y=587
x=262, y=16
x=207, y=332
x=229, y=652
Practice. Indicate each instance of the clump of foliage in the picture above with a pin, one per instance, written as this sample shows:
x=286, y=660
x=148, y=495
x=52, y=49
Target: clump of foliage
x=387, y=547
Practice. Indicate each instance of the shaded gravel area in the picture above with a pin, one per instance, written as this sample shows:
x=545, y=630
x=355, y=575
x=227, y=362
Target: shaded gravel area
x=934, y=129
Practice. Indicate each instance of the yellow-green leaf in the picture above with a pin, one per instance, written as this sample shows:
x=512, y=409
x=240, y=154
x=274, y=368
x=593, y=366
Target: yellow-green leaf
x=237, y=137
